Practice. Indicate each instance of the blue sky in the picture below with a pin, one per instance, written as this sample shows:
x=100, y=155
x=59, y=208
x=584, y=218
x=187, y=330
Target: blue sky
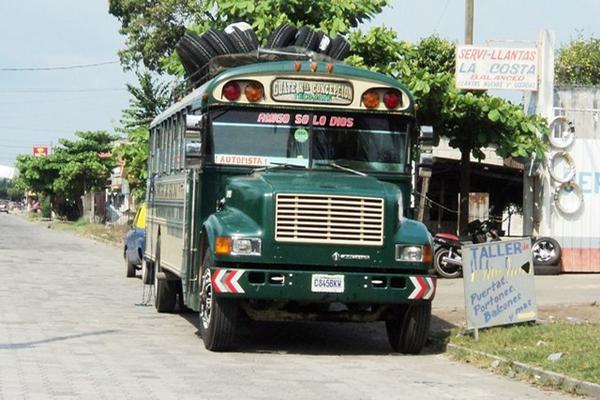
x=38, y=108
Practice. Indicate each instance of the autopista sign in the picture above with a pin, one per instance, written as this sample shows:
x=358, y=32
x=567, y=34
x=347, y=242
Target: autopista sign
x=499, y=283
x=481, y=67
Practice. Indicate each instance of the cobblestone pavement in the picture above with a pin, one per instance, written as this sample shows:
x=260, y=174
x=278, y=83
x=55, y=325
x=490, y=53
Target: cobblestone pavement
x=72, y=327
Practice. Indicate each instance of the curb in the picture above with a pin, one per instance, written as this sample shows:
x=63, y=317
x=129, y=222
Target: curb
x=565, y=382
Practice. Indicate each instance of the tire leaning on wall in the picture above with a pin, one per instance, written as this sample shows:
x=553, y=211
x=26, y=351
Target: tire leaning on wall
x=568, y=187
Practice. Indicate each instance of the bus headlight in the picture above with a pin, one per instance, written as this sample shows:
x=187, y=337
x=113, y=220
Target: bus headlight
x=245, y=246
x=413, y=253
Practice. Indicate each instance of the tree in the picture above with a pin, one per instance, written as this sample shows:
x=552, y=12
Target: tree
x=153, y=27
x=148, y=100
x=471, y=120
x=578, y=63
x=74, y=168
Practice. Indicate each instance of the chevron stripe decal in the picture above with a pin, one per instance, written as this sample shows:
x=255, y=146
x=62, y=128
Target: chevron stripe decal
x=424, y=288
x=227, y=281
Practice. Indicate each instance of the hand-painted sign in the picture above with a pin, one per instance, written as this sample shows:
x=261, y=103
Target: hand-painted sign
x=499, y=283
x=309, y=91
x=480, y=67
x=40, y=151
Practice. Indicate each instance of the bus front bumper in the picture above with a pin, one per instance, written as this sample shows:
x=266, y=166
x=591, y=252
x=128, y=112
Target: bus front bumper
x=345, y=287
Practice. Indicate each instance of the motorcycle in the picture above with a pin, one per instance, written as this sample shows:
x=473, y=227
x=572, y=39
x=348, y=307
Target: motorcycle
x=447, y=257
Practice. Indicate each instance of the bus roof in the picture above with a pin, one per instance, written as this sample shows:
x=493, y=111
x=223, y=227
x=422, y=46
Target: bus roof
x=201, y=96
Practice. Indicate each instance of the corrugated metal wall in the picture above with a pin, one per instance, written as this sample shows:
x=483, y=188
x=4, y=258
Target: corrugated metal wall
x=579, y=232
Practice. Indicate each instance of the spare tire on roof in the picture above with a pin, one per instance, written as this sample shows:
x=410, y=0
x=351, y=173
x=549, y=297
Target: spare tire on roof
x=308, y=38
x=185, y=57
x=324, y=44
x=219, y=42
x=282, y=36
x=195, y=53
x=242, y=36
x=339, y=48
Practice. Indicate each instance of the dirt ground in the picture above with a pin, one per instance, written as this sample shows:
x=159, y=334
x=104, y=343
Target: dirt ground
x=575, y=313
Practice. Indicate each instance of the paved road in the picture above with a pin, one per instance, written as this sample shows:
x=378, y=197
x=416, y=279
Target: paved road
x=72, y=327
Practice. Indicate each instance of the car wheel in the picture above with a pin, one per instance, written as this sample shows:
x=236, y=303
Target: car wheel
x=218, y=316
x=546, y=269
x=407, y=330
x=443, y=268
x=545, y=251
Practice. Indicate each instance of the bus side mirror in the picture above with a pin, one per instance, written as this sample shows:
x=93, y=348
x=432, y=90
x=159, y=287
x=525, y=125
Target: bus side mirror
x=193, y=141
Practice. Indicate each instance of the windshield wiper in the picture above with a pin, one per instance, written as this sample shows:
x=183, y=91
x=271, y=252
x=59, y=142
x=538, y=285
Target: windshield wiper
x=279, y=165
x=342, y=168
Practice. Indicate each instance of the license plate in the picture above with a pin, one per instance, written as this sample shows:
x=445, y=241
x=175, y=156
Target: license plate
x=327, y=283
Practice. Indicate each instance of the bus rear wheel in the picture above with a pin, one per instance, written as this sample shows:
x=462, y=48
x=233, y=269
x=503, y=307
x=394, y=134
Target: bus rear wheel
x=165, y=293
x=218, y=316
x=408, y=328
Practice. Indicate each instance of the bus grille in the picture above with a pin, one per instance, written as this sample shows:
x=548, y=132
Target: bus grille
x=309, y=218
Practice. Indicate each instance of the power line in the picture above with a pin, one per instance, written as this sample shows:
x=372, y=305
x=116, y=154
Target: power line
x=57, y=68
x=58, y=90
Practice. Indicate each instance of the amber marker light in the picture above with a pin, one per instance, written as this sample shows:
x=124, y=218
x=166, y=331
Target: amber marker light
x=223, y=246
x=427, y=254
x=313, y=67
x=297, y=66
x=254, y=92
x=370, y=99
x=330, y=68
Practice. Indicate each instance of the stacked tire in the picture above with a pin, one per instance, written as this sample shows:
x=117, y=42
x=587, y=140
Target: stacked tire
x=195, y=51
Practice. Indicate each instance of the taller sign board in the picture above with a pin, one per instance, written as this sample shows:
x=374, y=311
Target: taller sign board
x=482, y=67
x=498, y=280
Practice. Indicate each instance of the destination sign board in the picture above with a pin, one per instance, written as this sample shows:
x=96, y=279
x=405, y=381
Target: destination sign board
x=311, y=91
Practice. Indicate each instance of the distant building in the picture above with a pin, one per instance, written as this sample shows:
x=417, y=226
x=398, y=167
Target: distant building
x=7, y=172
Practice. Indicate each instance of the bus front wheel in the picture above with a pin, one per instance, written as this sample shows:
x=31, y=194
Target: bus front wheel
x=218, y=316
x=409, y=326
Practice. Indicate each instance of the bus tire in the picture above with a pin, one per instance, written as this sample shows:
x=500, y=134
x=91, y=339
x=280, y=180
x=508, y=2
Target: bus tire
x=307, y=38
x=242, y=37
x=165, y=297
x=339, y=48
x=282, y=36
x=324, y=44
x=408, y=328
x=130, y=269
x=219, y=42
x=218, y=316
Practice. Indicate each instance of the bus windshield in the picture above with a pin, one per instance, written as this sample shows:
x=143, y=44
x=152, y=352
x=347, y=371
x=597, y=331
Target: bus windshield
x=365, y=142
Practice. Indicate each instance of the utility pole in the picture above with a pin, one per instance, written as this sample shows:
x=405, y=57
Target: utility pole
x=469, y=6
x=465, y=151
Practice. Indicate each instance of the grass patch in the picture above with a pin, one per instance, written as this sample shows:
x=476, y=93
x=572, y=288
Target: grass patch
x=112, y=233
x=532, y=344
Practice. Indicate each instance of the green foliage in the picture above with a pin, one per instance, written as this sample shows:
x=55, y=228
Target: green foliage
x=45, y=207
x=147, y=101
x=73, y=168
x=153, y=27
x=578, y=63
x=135, y=155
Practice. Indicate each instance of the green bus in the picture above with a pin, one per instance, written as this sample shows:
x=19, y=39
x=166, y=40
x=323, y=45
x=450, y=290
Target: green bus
x=279, y=189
